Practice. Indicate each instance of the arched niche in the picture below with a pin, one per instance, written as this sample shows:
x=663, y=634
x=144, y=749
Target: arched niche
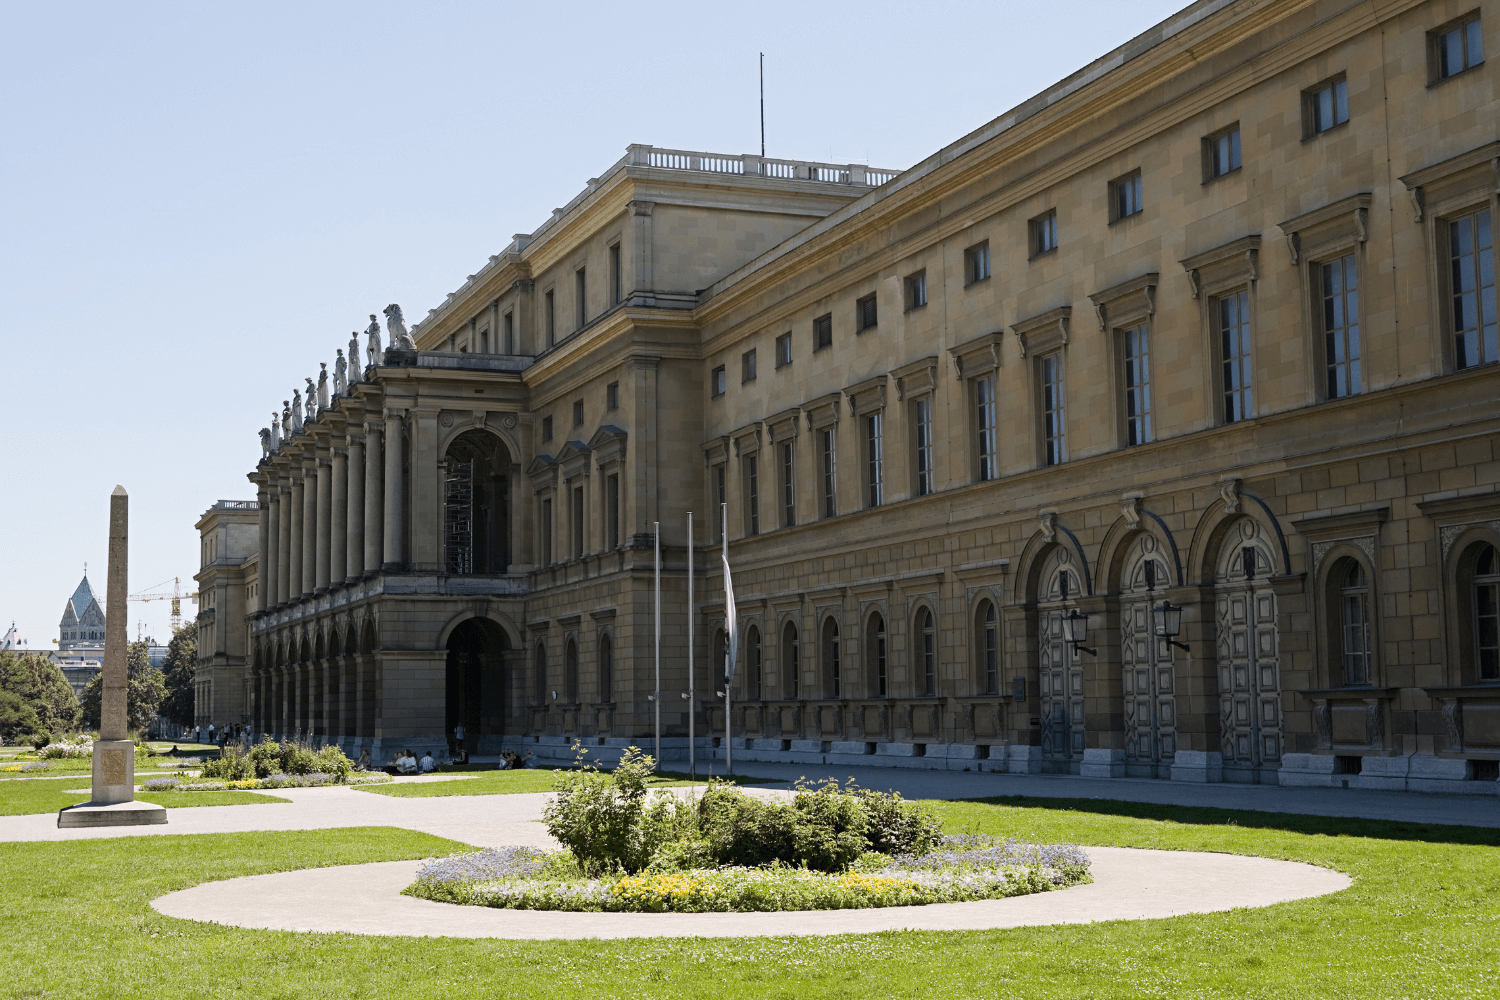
x=476, y=504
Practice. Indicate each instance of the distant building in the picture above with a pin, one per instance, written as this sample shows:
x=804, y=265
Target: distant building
x=13, y=641
x=80, y=637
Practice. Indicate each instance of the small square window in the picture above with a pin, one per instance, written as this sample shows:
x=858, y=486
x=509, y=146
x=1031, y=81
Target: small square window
x=784, y=350
x=864, y=313
x=612, y=396
x=1125, y=196
x=747, y=366
x=916, y=290
x=977, y=263
x=1221, y=153
x=823, y=332
x=577, y=413
x=1325, y=106
x=1455, y=47
x=1044, y=233
x=546, y=428
x=716, y=381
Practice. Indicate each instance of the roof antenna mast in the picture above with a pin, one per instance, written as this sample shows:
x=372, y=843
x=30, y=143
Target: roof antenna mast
x=762, y=104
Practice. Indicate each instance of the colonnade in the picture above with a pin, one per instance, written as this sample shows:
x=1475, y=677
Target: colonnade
x=325, y=701
x=331, y=509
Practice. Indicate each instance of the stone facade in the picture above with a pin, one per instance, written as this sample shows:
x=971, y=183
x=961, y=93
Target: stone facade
x=1189, y=334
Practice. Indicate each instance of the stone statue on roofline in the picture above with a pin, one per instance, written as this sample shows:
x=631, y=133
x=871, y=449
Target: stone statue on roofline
x=286, y=420
x=265, y=443
x=275, y=431
x=322, y=386
x=372, y=347
x=355, y=372
x=340, y=374
x=312, y=402
x=395, y=326
x=296, y=412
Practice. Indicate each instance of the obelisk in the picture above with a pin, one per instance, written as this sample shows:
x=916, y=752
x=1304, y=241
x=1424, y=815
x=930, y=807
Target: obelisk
x=113, y=801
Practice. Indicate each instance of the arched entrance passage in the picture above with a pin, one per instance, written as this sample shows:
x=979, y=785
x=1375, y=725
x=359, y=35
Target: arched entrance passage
x=476, y=505
x=475, y=689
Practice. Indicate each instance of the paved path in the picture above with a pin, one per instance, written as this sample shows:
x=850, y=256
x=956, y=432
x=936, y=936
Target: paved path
x=1128, y=885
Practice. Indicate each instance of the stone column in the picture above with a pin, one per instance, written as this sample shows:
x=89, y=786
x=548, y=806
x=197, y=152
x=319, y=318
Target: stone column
x=283, y=542
x=323, y=554
x=269, y=570
x=338, y=530
x=297, y=515
x=426, y=505
x=354, y=521
x=395, y=492
x=309, y=527
x=374, y=498
x=263, y=537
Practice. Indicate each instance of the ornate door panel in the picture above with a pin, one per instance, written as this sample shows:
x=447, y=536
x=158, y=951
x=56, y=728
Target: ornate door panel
x=1059, y=668
x=1248, y=653
x=1147, y=671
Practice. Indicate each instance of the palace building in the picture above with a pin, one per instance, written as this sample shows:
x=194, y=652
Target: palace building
x=1150, y=430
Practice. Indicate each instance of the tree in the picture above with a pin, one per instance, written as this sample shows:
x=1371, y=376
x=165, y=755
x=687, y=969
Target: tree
x=17, y=719
x=178, y=671
x=40, y=684
x=144, y=691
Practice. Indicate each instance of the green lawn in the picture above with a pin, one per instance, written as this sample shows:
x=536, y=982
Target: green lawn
x=19, y=798
x=494, y=782
x=1420, y=921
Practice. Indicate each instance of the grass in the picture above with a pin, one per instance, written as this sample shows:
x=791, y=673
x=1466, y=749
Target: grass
x=1420, y=921
x=492, y=782
x=22, y=798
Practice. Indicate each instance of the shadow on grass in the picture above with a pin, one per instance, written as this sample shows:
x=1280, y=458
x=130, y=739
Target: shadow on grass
x=1328, y=826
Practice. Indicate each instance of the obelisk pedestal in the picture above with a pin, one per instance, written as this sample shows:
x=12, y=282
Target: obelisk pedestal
x=113, y=800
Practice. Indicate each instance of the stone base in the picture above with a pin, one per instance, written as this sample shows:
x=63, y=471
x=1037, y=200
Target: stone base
x=1102, y=763
x=92, y=814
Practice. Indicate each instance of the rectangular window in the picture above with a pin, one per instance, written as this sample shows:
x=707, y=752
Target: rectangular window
x=985, y=427
x=788, y=484
x=1137, y=370
x=1054, y=412
x=922, y=411
x=1471, y=261
x=823, y=332
x=1221, y=153
x=580, y=282
x=864, y=313
x=747, y=366
x=612, y=509
x=1340, y=288
x=1325, y=106
x=1043, y=233
x=830, y=474
x=1232, y=315
x=577, y=413
x=916, y=290
x=547, y=532
x=484, y=341
x=716, y=381
x=783, y=350
x=875, y=458
x=546, y=428
x=550, y=308
x=578, y=522
x=1455, y=48
x=1125, y=196
x=721, y=497
x=752, y=495
x=509, y=328
x=977, y=263
x=612, y=396
x=614, y=274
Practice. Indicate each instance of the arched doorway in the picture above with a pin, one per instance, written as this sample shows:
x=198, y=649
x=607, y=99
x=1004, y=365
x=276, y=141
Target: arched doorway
x=1248, y=655
x=475, y=689
x=1059, y=666
x=476, y=505
x=1146, y=667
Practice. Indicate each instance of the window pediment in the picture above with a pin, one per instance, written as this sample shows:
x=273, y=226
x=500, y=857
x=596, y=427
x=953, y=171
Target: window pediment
x=783, y=425
x=574, y=459
x=822, y=412
x=1045, y=332
x=608, y=445
x=716, y=450
x=916, y=378
x=747, y=439
x=1341, y=223
x=541, y=470
x=1126, y=302
x=1234, y=263
x=867, y=396
x=978, y=356
x=1458, y=176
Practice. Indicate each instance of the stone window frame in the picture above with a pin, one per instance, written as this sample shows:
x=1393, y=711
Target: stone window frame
x=716, y=454
x=573, y=463
x=823, y=418
x=543, y=471
x=976, y=646
x=1435, y=75
x=1040, y=228
x=782, y=430
x=916, y=381
x=747, y=447
x=867, y=399
x=1117, y=189
x=831, y=667
x=1040, y=337
x=549, y=315
x=784, y=358
x=718, y=383
x=1213, y=274
x=540, y=666
x=1120, y=308
x=604, y=632
x=976, y=359
x=748, y=655
x=866, y=313
x=607, y=447
x=612, y=396
x=977, y=259
x=1314, y=239
x=914, y=290
x=1452, y=187
x=747, y=366
x=1208, y=143
x=1461, y=521
x=924, y=604
x=1333, y=540
x=616, y=274
x=580, y=295
x=822, y=332
x=1309, y=103
x=870, y=654
x=789, y=674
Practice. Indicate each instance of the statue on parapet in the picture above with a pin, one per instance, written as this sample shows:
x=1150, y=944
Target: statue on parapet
x=322, y=386
x=286, y=419
x=296, y=412
x=312, y=402
x=265, y=443
x=395, y=326
x=372, y=346
x=340, y=373
x=356, y=373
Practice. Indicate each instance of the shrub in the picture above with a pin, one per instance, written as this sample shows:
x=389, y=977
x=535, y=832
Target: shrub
x=897, y=826
x=232, y=766
x=331, y=761
x=606, y=819
x=40, y=739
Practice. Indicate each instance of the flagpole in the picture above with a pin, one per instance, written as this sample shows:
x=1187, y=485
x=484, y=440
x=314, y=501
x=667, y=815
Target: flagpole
x=692, y=704
x=729, y=644
x=656, y=531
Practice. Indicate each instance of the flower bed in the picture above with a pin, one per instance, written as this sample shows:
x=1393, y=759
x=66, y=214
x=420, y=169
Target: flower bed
x=962, y=869
x=314, y=780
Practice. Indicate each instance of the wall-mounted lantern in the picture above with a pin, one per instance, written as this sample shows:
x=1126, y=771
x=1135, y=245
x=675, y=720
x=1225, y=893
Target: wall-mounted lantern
x=1078, y=632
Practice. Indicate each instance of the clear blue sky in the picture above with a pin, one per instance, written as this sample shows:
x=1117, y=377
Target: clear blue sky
x=201, y=201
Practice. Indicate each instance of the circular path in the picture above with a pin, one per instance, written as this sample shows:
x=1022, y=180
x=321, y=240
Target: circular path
x=1129, y=884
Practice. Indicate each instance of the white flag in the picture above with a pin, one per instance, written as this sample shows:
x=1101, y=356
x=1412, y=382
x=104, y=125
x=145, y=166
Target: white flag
x=731, y=616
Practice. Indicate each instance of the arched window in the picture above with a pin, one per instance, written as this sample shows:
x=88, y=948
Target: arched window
x=875, y=654
x=832, y=679
x=790, y=667
x=1354, y=622
x=570, y=672
x=987, y=651
x=752, y=663
x=476, y=504
x=1486, y=603
x=540, y=667
x=606, y=668
x=927, y=650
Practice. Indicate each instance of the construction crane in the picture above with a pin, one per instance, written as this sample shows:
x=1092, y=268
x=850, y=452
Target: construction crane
x=156, y=593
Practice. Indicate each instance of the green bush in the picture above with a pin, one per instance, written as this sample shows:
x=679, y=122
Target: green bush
x=40, y=739
x=233, y=766
x=608, y=820
x=828, y=832
x=331, y=761
x=897, y=826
